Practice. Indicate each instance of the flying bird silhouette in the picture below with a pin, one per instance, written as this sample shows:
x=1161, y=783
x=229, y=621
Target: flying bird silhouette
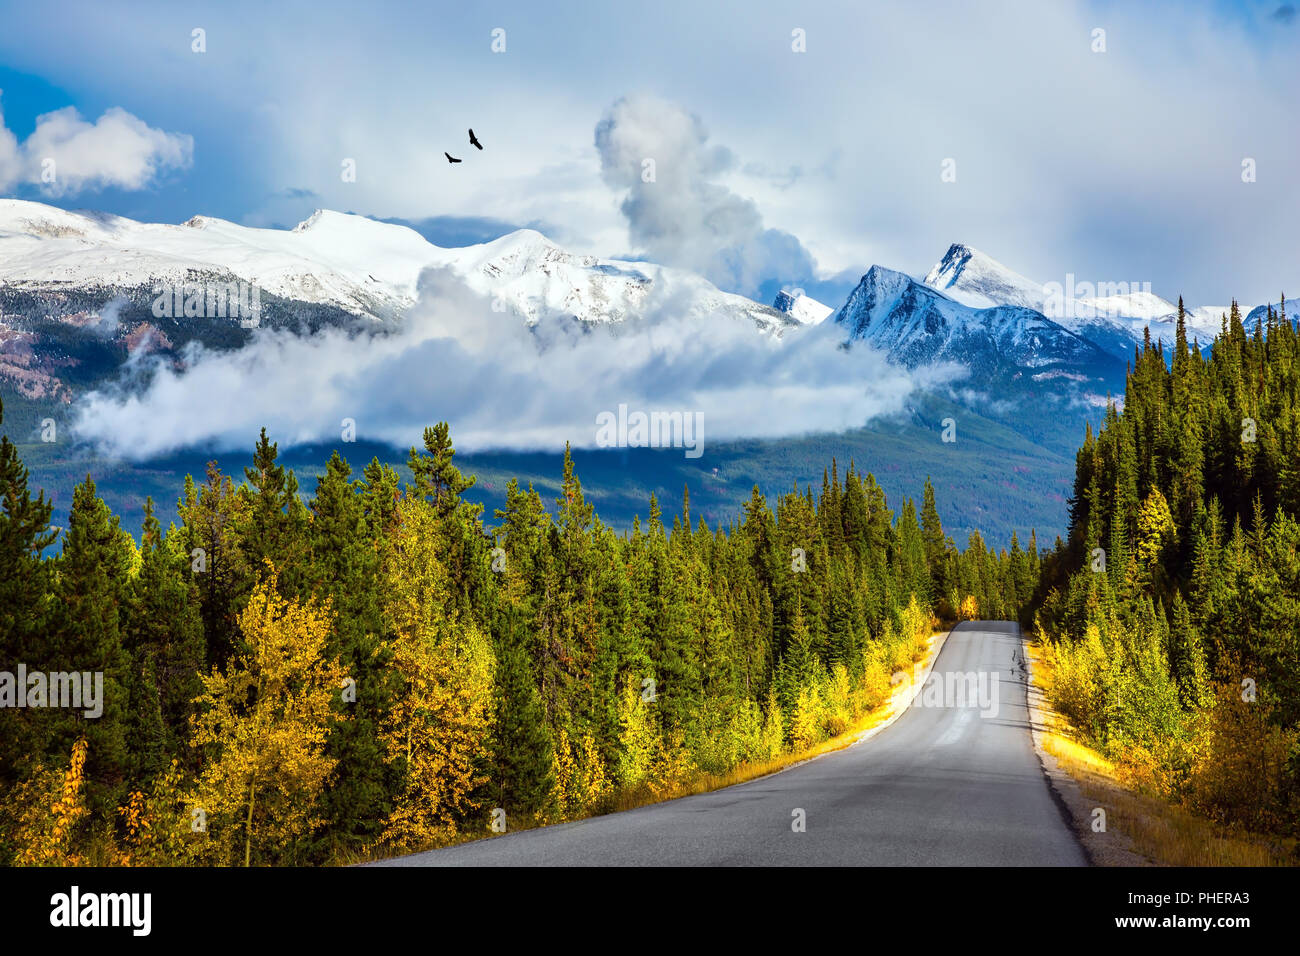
x=450, y=158
x=474, y=140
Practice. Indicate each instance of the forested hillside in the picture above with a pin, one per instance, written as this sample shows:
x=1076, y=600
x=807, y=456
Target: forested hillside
x=377, y=668
x=1174, y=607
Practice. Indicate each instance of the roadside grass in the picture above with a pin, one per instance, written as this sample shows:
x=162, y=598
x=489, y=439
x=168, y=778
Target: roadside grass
x=1163, y=831
x=630, y=799
x=644, y=795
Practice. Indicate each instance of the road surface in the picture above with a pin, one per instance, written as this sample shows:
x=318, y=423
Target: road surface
x=944, y=785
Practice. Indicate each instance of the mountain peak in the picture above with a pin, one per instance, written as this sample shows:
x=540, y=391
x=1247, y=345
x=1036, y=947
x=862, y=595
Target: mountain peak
x=957, y=256
x=801, y=308
x=976, y=279
x=955, y=261
x=917, y=324
x=303, y=226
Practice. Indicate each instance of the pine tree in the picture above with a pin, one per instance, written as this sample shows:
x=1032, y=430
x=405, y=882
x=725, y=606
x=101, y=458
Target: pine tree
x=523, y=761
x=25, y=596
x=435, y=474
x=275, y=522
x=343, y=569
x=935, y=542
x=163, y=633
x=212, y=537
x=90, y=593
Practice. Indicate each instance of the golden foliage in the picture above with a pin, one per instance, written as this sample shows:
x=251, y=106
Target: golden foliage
x=838, y=702
x=672, y=764
x=773, y=741
x=53, y=805
x=565, y=788
x=1156, y=530
x=159, y=825
x=593, y=781
x=262, y=726
x=437, y=729
x=1239, y=773
x=806, y=721
x=638, y=736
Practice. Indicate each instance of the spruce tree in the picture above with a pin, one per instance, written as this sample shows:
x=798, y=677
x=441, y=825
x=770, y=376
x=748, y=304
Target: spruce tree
x=163, y=633
x=90, y=593
x=25, y=599
x=344, y=566
x=523, y=758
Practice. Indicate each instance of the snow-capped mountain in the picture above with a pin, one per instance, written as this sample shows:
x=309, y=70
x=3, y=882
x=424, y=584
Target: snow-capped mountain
x=917, y=325
x=82, y=291
x=801, y=308
x=76, y=290
x=1260, y=313
x=1116, y=320
x=363, y=267
x=972, y=278
x=539, y=280
x=357, y=265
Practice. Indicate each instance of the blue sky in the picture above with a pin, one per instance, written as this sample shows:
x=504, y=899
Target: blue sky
x=774, y=167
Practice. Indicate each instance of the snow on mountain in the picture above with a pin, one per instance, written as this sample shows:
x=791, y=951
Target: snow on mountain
x=1115, y=320
x=916, y=324
x=366, y=268
x=801, y=308
x=1260, y=313
x=970, y=277
x=1130, y=305
x=539, y=280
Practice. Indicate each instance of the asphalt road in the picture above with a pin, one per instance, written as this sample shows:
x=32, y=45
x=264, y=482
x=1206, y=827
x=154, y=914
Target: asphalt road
x=952, y=782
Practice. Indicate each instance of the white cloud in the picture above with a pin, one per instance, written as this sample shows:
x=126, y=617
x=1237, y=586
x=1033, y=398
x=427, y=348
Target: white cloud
x=677, y=210
x=499, y=383
x=65, y=154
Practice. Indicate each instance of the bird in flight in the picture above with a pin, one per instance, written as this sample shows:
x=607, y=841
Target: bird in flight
x=450, y=158
x=474, y=140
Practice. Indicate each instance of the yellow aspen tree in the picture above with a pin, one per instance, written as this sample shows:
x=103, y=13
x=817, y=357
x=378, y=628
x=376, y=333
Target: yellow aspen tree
x=566, y=789
x=773, y=728
x=673, y=764
x=159, y=824
x=595, y=782
x=437, y=729
x=874, y=685
x=1156, y=530
x=839, y=701
x=638, y=739
x=805, y=723
x=262, y=727
x=53, y=804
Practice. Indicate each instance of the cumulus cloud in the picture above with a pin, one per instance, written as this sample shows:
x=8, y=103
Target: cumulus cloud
x=65, y=154
x=676, y=209
x=500, y=383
